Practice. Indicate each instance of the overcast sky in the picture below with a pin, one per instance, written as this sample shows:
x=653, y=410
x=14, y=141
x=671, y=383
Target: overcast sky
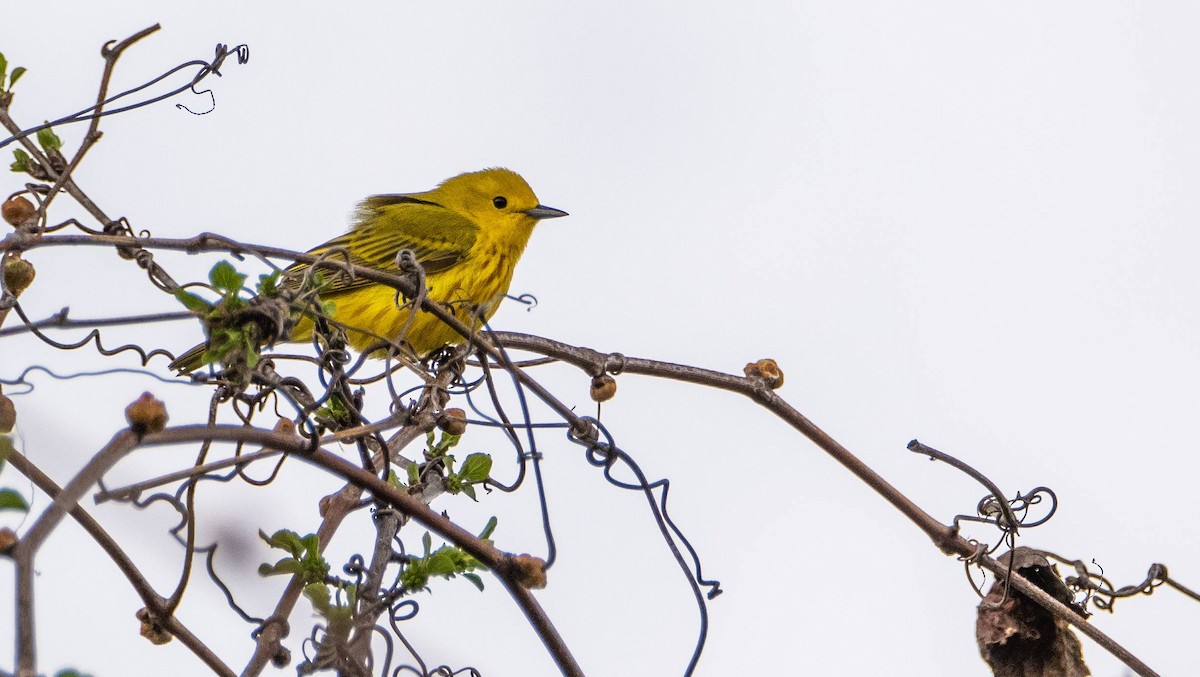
x=969, y=223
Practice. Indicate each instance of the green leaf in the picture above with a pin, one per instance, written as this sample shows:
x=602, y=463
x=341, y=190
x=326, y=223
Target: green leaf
x=446, y=562
x=414, y=474
x=320, y=281
x=318, y=594
x=288, y=567
x=16, y=75
x=448, y=442
x=225, y=278
x=475, y=468
x=441, y=563
x=284, y=539
x=306, y=561
x=486, y=534
x=192, y=302
x=252, y=356
x=268, y=285
x=427, y=541
x=475, y=580
x=48, y=140
x=3, y=70
x=414, y=577
x=315, y=569
x=443, y=445
x=22, y=162
x=11, y=500
x=221, y=342
x=70, y=672
x=234, y=303
x=469, y=491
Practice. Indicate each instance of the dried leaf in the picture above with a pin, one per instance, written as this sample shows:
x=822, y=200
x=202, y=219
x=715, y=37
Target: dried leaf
x=1019, y=638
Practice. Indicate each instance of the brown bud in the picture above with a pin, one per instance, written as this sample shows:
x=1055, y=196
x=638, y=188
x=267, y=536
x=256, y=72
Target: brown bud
x=282, y=657
x=767, y=371
x=531, y=571
x=285, y=426
x=8, y=414
x=19, y=212
x=604, y=387
x=18, y=274
x=151, y=630
x=146, y=415
x=8, y=539
x=323, y=505
x=452, y=421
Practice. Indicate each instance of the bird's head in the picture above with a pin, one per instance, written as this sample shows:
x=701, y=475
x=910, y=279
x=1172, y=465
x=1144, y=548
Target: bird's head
x=494, y=196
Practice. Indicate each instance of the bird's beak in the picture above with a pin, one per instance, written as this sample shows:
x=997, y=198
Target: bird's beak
x=544, y=212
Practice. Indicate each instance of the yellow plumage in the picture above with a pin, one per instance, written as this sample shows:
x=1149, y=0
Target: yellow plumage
x=468, y=234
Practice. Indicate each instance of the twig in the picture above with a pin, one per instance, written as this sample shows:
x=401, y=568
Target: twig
x=94, y=112
x=60, y=320
x=131, y=491
x=26, y=548
x=943, y=536
x=387, y=525
x=336, y=508
x=111, y=55
x=150, y=598
x=1002, y=503
x=498, y=562
x=594, y=362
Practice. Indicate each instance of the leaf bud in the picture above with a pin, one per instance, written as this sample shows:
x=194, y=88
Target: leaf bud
x=19, y=212
x=604, y=388
x=146, y=415
x=767, y=371
x=452, y=421
x=18, y=274
x=8, y=414
x=152, y=630
x=530, y=570
x=282, y=657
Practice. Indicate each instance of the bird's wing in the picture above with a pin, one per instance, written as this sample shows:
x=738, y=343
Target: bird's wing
x=386, y=224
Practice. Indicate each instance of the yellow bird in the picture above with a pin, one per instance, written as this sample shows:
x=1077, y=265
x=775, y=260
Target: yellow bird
x=468, y=234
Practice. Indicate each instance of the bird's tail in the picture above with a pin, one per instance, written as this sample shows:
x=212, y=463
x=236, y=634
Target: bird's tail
x=190, y=360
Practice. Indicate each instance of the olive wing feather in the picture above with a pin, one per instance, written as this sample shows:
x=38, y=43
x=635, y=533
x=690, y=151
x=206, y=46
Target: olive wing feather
x=386, y=224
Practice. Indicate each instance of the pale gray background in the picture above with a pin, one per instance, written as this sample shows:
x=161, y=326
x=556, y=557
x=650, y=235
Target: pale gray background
x=972, y=223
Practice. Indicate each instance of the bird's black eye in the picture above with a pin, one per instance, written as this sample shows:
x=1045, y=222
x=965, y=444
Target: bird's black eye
x=500, y=201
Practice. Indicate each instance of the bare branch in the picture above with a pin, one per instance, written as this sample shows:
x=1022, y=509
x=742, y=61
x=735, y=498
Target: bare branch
x=154, y=602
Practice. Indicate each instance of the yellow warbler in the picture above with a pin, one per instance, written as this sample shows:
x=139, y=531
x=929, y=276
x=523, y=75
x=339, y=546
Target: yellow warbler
x=467, y=233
